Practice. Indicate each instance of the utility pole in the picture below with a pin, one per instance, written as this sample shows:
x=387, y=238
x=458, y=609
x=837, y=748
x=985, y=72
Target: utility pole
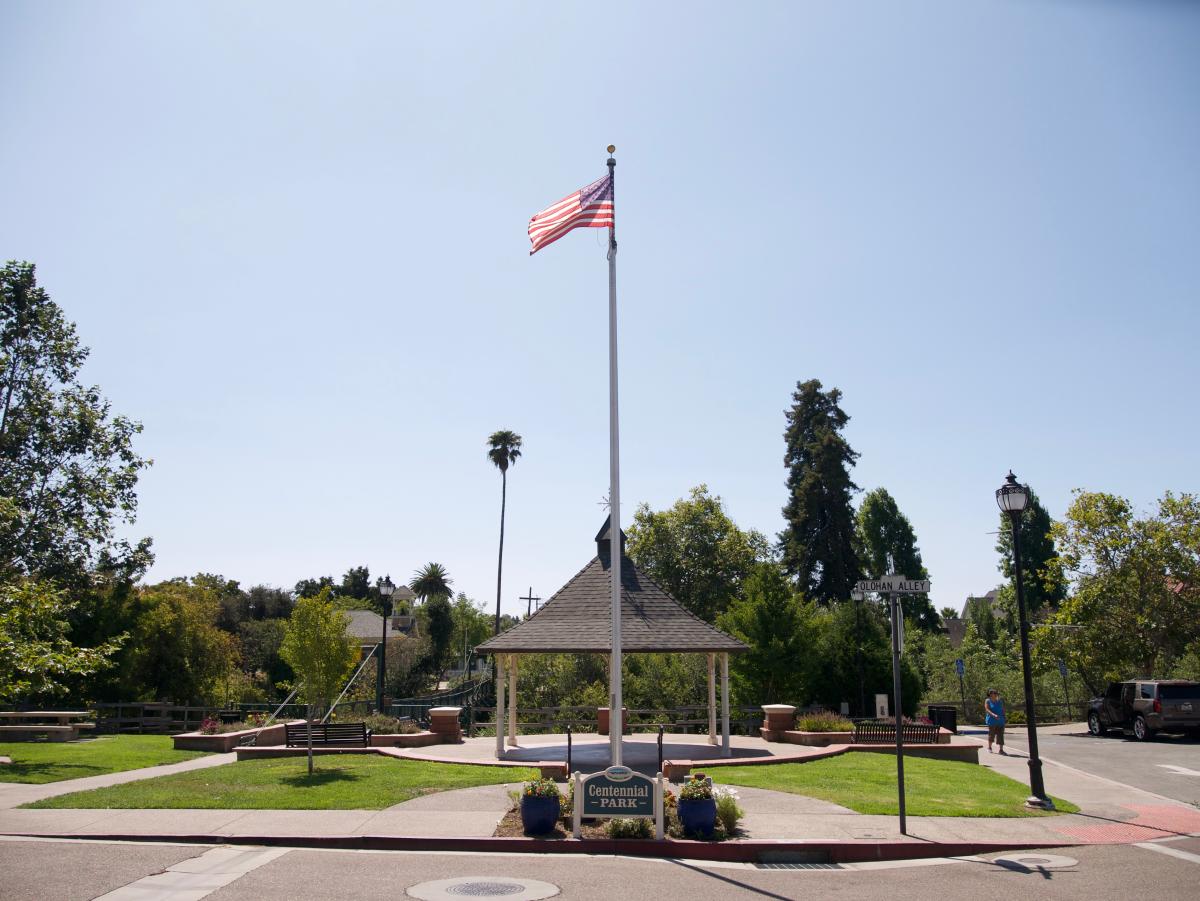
x=529, y=599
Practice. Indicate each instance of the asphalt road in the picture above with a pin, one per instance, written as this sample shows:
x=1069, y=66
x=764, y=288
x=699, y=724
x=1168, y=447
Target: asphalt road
x=1145, y=765
x=53, y=870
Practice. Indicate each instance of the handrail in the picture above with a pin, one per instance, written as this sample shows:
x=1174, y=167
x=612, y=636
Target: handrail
x=367, y=658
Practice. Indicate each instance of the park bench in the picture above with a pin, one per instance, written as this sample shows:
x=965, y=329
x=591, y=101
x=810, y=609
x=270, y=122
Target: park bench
x=874, y=732
x=328, y=735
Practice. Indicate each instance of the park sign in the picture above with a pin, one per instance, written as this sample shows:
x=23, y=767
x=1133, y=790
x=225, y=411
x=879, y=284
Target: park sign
x=893, y=584
x=618, y=792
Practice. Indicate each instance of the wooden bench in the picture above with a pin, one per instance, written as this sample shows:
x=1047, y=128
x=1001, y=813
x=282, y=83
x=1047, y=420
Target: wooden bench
x=874, y=732
x=328, y=735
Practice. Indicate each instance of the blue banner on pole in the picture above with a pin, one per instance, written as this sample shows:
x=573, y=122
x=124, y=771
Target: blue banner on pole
x=959, y=666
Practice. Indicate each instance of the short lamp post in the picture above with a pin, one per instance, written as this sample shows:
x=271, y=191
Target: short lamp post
x=1012, y=498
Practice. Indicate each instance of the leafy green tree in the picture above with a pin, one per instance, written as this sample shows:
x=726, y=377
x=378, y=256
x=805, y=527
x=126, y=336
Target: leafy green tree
x=356, y=583
x=441, y=631
x=779, y=629
x=261, y=640
x=1135, y=607
x=472, y=626
x=981, y=614
x=320, y=652
x=817, y=542
x=182, y=655
x=265, y=602
x=1041, y=572
x=853, y=660
x=310, y=588
x=696, y=552
x=67, y=465
x=885, y=533
x=431, y=581
x=504, y=449
x=36, y=654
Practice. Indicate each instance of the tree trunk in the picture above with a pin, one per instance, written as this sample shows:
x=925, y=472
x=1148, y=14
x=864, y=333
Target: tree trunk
x=500, y=561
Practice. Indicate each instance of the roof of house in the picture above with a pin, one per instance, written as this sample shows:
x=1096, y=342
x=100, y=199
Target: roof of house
x=578, y=618
x=365, y=624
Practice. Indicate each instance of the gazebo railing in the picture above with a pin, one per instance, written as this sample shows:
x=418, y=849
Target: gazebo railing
x=692, y=719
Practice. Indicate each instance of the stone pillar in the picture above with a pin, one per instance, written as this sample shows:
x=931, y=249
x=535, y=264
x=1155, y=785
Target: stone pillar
x=780, y=718
x=443, y=721
x=602, y=716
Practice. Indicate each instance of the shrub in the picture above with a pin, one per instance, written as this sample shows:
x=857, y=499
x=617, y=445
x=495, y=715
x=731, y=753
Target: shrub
x=628, y=828
x=542, y=788
x=381, y=724
x=728, y=812
x=823, y=721
x=566, y=801
x=210, y=726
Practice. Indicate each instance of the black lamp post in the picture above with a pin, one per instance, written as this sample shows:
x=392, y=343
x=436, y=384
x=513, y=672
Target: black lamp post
x=1012, y=498
x=386, y=589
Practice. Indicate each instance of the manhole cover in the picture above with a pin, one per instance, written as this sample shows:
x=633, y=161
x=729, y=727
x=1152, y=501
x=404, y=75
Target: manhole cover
x=1031, y=862
x=486, y=889
x=483, y=887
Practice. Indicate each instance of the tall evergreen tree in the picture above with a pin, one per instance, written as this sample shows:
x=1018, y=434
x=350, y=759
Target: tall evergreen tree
x=817, y=543
x=883, y=532
x=1041, y=574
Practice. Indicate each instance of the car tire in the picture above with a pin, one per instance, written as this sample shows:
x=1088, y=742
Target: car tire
x=1141, y=730
x=1095, y=726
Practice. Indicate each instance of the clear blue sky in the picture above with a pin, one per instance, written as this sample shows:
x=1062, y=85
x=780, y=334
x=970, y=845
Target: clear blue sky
x=294, y=236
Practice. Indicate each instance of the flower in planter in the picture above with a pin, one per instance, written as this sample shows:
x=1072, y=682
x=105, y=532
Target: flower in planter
x=697, y=788
x=210, y=726
x=541, y=788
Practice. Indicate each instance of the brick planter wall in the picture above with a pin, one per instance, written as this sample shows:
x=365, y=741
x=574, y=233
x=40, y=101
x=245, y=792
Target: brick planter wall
x=224, y=742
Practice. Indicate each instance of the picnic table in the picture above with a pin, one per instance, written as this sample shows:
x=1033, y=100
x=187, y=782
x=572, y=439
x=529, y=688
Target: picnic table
x=56, y=725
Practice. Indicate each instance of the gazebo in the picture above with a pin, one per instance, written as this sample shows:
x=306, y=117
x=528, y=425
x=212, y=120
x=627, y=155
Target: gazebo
x=578, y=619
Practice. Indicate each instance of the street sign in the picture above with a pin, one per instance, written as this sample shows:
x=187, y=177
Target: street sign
x=1062, y=668
x=893, y=584
x=619, y=792
x=959, y=666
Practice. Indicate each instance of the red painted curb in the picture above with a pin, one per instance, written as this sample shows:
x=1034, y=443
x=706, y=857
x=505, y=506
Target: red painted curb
x=731, y=851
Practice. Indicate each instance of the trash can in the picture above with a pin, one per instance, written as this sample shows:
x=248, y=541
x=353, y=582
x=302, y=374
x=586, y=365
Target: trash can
x=945, y=716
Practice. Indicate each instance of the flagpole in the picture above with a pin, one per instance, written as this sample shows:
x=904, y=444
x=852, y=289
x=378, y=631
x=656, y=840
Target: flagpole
x=616, y=722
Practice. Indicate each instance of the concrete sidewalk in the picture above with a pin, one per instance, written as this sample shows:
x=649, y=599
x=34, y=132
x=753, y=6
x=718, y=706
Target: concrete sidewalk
x=14, y=794
x=1110, y=813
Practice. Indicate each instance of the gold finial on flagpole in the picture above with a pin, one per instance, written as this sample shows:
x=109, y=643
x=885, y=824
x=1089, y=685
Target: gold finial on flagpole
x=611, y=149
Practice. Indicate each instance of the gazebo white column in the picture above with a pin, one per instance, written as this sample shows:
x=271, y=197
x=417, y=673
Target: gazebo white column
x=500, y=706
x=726, y=750
x=512, y=700
x=712, y=699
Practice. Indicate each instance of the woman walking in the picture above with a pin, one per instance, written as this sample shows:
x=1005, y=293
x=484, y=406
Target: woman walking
x=994, y=717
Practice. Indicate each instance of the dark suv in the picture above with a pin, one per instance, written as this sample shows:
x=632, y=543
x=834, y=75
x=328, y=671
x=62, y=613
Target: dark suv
x=1146, y=706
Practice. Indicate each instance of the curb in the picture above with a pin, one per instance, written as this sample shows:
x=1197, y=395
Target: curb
x=750, y=851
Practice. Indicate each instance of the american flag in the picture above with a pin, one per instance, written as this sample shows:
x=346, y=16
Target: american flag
x=590, y=207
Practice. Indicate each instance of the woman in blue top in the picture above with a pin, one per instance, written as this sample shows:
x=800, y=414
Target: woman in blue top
x=994, y=717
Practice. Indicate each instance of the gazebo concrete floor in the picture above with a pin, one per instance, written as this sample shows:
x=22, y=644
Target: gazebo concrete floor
x=639, y=751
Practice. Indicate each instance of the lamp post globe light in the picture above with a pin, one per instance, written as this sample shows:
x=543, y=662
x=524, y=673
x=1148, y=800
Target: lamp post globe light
x=1012, y=498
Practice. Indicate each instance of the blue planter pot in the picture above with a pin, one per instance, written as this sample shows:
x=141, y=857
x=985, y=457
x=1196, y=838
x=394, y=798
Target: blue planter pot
x=699, y=816
x=539, y=815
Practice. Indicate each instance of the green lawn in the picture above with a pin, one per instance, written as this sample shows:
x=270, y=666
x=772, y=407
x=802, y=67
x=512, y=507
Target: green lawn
x=38, y=762
x=342, y=782
x=866, y=783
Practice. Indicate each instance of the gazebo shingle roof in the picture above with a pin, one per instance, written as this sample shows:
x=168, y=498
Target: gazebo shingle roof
x=578, y=618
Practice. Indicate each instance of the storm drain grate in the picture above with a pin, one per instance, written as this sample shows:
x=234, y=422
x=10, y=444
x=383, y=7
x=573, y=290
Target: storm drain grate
x=799, y=866
x=485, y=889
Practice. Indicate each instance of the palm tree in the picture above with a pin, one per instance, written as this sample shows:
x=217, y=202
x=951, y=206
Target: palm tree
x=504, y=451
x=431, y=580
